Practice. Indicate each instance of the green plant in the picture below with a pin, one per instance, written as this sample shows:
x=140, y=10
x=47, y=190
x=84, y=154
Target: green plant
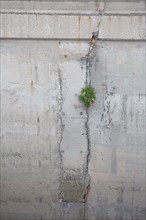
x=87, y=96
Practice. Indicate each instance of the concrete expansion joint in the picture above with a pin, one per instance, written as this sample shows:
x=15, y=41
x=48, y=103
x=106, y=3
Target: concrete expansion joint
x=61, y=131
x=87, y=127
x=72, y=13
x=92, y=45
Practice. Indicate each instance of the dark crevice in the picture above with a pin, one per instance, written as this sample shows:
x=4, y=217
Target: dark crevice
x=87, y=179
x=61, y=131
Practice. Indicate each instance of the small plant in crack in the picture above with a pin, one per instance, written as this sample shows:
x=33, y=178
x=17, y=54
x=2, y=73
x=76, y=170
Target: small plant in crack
x=87, y=96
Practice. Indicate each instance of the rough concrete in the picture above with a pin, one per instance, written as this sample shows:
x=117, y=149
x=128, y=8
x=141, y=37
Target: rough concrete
x=74, y=6
x=30, y=160
x=38, y=156
x=117, y=132
x=51, y=26
x=58, y=160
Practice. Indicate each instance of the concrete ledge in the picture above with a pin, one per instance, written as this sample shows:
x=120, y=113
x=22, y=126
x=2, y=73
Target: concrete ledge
x=123, y=27
x=36, y=26
x=74, y=6
x=75, y=13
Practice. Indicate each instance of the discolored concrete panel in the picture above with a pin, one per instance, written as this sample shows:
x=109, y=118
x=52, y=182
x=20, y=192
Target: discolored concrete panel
x=117, y=132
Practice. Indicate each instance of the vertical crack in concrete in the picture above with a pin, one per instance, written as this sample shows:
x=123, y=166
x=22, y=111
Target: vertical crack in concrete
x=87, y=127
x=61, y=131
x=88, y=82
x=87, y=178
x=92, y=44
x=86, y=168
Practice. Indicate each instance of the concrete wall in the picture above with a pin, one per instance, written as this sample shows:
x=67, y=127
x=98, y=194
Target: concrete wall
x=59, y=161
x=117, y=132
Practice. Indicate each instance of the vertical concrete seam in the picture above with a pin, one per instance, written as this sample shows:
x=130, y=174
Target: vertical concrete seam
x=88, y=155
x=87, y=177
x=88, y=82
x=61, y=131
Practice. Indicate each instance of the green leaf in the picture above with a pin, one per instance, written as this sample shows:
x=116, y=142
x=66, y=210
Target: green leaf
x=87, y=96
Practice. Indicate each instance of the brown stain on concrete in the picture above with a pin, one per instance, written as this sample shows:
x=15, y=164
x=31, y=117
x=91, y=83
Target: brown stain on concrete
x=131, y=22
x=90, y=28
x=79, y=26
x=109, y=24
x=79, y=30
x=30, y=62
x=38, y=127
x=140, y=20
x=31, y=82
x=32, y=87
x=98, y=4
x=139, y=23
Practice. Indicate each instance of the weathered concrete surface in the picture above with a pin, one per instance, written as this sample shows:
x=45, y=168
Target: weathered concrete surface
x=72, y=27
x=74, y=6
x=59, y=161
x=117, y=132
x=73, y=141
x=30, y=165
x=40, y=118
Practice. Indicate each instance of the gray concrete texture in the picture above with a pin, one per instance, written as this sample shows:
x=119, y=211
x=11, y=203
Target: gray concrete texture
x=74, y=6
x=60, y=161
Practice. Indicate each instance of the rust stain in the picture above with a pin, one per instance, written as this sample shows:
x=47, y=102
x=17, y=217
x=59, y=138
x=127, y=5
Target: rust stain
x=98, y=4
x=131, y=19
x=119, y=17
x=139, y=19
x=79, y=24
x=79, y=30
x=109, y=23
x=105, y=65
x=30, y=62
x=140, y=22
x=31, y=83
x=32, y=87
x=89, y=24
x=109, y=19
